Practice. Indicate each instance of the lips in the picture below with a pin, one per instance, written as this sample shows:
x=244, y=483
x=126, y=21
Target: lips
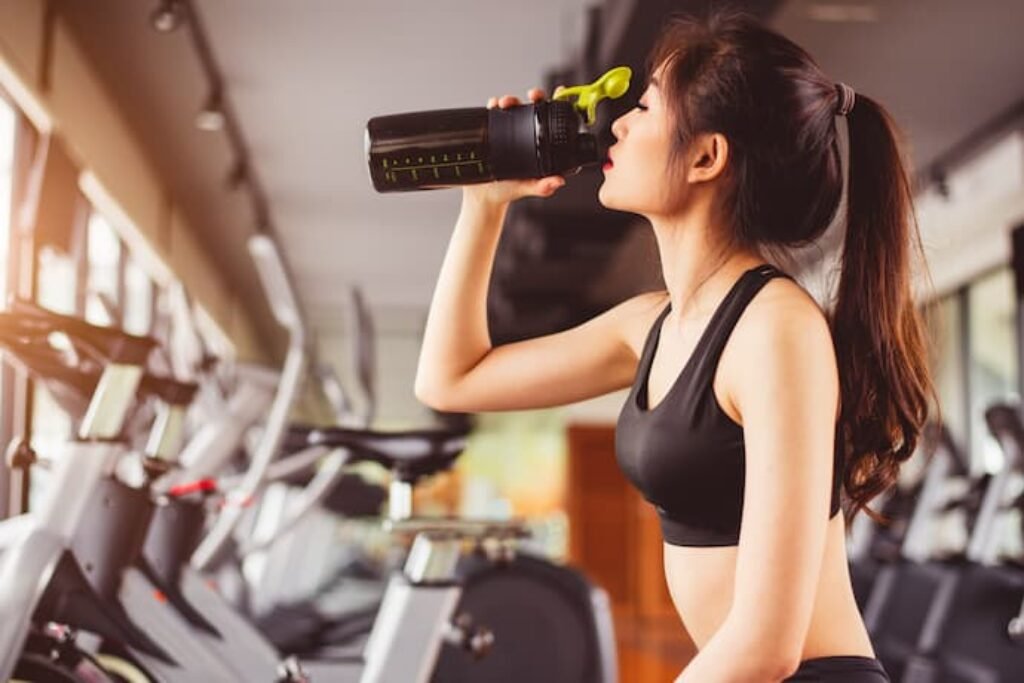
x=608, y=161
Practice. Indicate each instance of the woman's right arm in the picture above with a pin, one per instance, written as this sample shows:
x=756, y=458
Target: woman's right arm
x=459, y=371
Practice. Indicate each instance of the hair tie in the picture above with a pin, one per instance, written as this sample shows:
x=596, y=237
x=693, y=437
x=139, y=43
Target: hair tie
x=846, y=98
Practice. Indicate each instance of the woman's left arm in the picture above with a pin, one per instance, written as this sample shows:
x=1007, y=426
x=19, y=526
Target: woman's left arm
x=787, y=396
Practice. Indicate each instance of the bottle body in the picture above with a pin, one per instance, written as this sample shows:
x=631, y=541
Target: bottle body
x=429, y=149
x=450, y=147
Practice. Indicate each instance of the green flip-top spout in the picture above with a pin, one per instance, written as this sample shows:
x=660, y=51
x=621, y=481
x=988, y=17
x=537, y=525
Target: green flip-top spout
x=613, y=84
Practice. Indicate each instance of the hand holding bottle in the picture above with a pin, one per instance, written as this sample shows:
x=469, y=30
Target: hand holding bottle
x=505, y=191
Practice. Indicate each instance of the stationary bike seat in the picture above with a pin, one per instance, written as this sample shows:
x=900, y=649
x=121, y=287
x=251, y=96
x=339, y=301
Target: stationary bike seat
x=412, y=453
x=105, y=344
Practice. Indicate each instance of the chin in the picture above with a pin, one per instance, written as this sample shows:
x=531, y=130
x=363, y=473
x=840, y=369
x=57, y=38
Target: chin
x=609, y=201
x=606, y=198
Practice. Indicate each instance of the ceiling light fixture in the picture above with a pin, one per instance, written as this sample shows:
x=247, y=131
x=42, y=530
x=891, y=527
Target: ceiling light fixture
x=216, y=113
x=211, y=117
x=167, y=16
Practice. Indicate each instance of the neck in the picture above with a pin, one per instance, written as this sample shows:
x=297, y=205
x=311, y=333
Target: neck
x=698, y=266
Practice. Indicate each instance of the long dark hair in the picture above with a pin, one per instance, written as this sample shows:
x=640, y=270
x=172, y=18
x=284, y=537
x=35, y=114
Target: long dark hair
x=727, y=73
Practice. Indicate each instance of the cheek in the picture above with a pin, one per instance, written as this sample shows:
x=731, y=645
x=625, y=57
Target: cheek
x=632, y=185
x=644, y=169
x=639, y=181
x=646, y=155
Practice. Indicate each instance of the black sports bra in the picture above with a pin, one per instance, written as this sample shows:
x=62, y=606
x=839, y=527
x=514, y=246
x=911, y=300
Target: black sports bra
x=686, y=455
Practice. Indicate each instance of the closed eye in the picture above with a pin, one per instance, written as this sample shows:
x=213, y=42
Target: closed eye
x=641, y=106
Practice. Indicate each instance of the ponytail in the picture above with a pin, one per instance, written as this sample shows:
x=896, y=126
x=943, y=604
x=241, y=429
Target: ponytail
x=879, y=335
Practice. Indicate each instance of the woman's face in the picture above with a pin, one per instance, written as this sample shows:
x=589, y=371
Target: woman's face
x=636, y=179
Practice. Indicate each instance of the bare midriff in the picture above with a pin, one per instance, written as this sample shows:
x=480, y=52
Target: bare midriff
x=700, y=580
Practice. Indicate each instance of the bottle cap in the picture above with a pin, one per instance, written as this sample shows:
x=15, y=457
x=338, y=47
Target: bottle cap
x=613, y=83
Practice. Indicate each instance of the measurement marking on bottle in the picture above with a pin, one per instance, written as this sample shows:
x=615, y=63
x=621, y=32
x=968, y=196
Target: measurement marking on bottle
x=453, y=164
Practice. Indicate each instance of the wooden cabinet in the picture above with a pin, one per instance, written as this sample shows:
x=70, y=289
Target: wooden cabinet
x=614, y=537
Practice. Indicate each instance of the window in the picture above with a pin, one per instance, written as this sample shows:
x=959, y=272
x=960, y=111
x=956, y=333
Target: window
x=57, y=281
x=138, y=299
x=992, y=359
x=57, y=286
x=103, y=282
x=51, y=426
x=946, y=343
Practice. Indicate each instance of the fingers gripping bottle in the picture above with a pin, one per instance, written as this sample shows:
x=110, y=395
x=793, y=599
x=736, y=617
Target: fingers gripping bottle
x=447, y=147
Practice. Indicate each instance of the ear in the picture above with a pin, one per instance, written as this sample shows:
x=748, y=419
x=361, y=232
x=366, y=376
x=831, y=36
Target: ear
x=710, y=152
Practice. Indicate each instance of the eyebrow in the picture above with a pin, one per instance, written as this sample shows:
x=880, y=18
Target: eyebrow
x=653, y=81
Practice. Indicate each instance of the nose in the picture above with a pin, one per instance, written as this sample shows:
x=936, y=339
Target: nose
x=619, y=126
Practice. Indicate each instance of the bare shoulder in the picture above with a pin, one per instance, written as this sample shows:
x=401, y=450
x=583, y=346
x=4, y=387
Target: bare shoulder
x=784, y=326
x=783, y=308
x=784, y=320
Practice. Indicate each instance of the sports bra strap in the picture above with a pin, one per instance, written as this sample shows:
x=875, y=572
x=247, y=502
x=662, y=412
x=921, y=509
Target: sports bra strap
x=726, y=316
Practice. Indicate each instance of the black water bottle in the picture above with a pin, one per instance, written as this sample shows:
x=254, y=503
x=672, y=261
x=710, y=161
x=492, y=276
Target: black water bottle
x=433, y=149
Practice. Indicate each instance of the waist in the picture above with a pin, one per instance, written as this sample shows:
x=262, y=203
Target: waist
x=841, y=668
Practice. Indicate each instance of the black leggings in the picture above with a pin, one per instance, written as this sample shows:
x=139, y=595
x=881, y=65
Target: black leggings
x=841, y=669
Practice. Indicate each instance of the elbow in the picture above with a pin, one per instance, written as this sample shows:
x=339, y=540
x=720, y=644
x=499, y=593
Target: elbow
x=430, y=396
x=423, y=388
x=770, y=657
x=776, y=669
x=424, y=393
x=779, y=663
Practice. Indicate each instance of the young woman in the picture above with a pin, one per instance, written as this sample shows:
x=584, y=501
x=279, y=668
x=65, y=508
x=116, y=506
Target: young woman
x=752, y=411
